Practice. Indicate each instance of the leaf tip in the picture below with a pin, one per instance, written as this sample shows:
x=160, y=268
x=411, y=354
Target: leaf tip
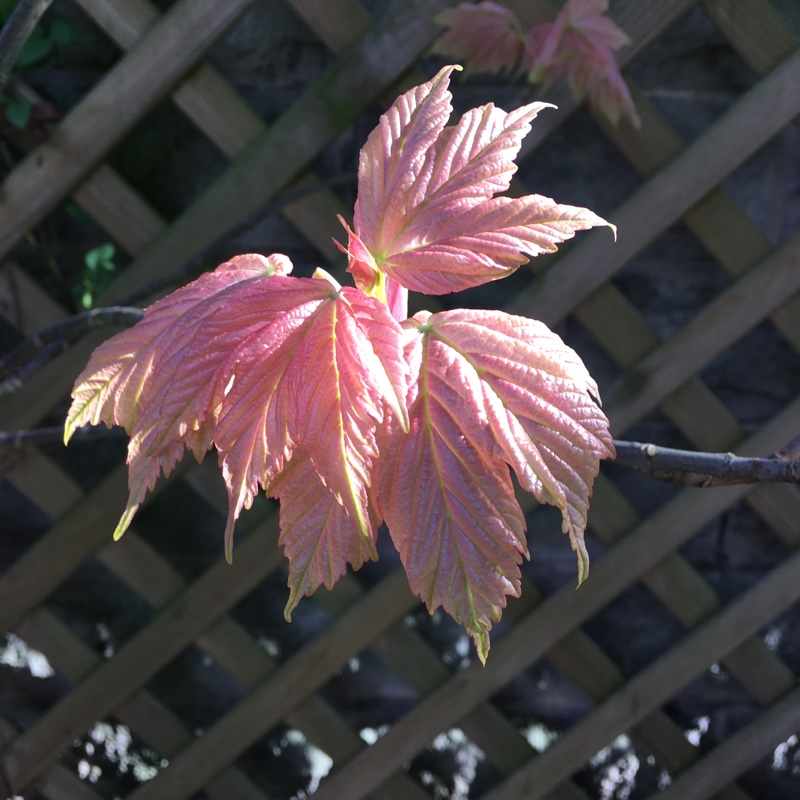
x=481, y=640
x=583, y=564
x=125, y=520
x=291, y=603
x=229, y=539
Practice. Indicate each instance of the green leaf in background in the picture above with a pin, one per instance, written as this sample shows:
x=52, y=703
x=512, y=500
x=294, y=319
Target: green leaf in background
x=18, y=113
x=35, y=49
x=97, y=275
x=6, y=7
x=61, y=31
x=100, y=257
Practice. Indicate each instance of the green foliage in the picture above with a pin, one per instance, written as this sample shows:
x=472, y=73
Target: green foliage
x=18, y=113
x=38, y=46
x=99, y=270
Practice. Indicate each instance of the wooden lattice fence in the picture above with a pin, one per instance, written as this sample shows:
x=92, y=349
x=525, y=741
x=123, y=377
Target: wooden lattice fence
x=650, y=376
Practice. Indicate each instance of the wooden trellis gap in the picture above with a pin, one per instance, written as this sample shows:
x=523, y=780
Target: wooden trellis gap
x=276, y=696
x=721, y=323
x=178, y=624
x=271, y=162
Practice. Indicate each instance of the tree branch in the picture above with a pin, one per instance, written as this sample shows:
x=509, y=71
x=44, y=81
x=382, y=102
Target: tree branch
x=31, y=353
x=706, y=470
x=18, y=440
x=15, y=33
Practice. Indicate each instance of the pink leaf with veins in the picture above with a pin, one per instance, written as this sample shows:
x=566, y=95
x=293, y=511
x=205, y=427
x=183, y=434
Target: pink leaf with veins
x=250, y=368
x=578, y=46
x=303, y=386
x=487, y=390
x=109, y=388
x=318, y=536
x=486, y=36
x=323, y=376
x=426, y=214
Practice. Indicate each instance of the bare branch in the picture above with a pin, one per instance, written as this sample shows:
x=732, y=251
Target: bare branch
x=706, y=470
x=15, y=33
x=30, y=354
x=17, y=440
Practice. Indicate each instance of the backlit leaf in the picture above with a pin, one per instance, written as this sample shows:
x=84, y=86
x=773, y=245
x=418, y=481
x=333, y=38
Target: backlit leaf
x=426, y=214
x=318, y=536
x=486, y=36
x=488, y=390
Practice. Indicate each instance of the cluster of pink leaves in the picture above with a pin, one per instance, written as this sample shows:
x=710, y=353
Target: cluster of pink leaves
x=577, y=46
x=328, y=399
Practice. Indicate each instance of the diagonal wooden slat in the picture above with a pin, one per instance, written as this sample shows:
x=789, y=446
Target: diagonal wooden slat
x=79, y=143
x=282, y=153
x=176, y=626
x=777, y=510
x=737, y=753
x=142, y=713
x=257, y=176
x=59, y=783
x=140, y=567
x=274, y=698
x=721, y=323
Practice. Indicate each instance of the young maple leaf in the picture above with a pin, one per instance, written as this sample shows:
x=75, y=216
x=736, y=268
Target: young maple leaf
x=578, y=46
x=316, y=394
x=488, y=390
x=426, y=215
x=252, y=362
x=486, y=36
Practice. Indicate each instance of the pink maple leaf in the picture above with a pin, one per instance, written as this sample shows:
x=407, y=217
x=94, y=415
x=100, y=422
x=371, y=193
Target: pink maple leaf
x=318, y=395
x=488, y=390
x=579, y=46
x=486, y=36
x=426, y=215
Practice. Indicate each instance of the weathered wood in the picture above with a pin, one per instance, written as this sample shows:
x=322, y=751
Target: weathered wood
x=142, y=713
x=754, y=29
x=143, y=77
x=118, y=209
x=305, y=672
x=338, y=24
x=737, y=753
x=280, y=155
x=47, y=563
x=721, y=323
x=152, y=578
x=178, y=624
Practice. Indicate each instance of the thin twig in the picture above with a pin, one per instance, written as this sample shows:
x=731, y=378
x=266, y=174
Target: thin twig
x=15, y=33
x=705, y=470
x=36, y=350
x=17, y=440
